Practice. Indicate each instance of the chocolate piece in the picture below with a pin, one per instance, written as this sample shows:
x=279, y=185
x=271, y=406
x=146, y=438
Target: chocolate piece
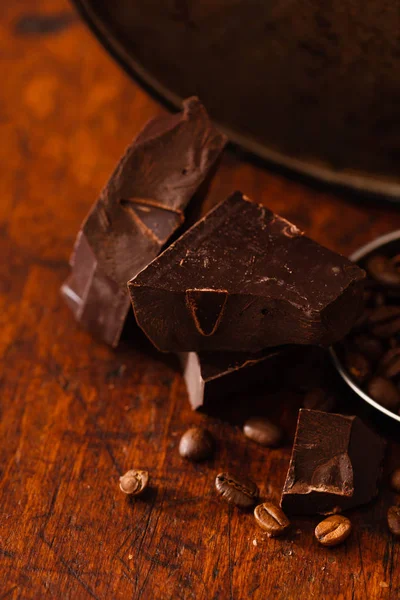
x=212, y=378
x=138, y=211
x=244, y=279
x=335, y=464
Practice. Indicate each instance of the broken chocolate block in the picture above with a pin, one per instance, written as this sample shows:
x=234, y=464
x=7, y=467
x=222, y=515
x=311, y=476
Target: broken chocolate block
x=244, y=279
x=214, y=377
x=335, y=464
x=137, y=213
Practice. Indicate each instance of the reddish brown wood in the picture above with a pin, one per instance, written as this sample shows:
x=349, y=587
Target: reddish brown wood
x=75, y=414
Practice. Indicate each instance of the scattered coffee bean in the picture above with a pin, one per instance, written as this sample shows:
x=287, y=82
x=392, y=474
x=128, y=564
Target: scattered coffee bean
x=333, y=530
x=271, y=518
x=319, y=399
x=134, y=482
x=262, y=431
x=237, y=491
x=384, y=392
x=196, y=444
x=395, y=480
x=389, y=365
x=383, y=269
x=370, y=347
x=357, y=365
x=393, y=519
x=378, y=299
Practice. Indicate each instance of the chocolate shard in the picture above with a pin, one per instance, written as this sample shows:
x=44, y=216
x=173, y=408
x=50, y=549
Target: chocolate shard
x=243, y=279
x=213, y=378
x=136, y=214
x=335, y=464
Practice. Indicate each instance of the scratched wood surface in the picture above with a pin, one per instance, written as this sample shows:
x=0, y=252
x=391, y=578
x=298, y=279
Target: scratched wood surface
x=74, y=414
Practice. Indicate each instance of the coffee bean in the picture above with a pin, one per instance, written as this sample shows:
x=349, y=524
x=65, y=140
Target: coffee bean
x=319, y=399
x=383, y=270
x=262, y=431
x=378, y=299
x=333, y=530
x=238, y=491
x=357, y=365
x=362, y=321
x=196, y=444
x=370, y=347
x=134, y=482
x=393, y=519
x=395, y=480
x=384, y=392
x=271, y=518
x=389, y=365
x=384, y=321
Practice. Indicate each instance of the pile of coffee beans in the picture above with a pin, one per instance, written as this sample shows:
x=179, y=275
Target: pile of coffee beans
x=371, y=352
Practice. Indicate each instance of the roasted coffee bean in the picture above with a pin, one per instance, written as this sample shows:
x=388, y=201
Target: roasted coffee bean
x=362, y=321
x=384, y=321
x=271, y=518
x=237, y=491
x=382, y=269
x=370, y=347
x=389, y=365
x=262, y=431
x=395, y=480
x=319, y=399
x=357, y=365
x=379, y=299
x=393, y=519
x=384, y=392
x=134, y=482
x=333, y=531
x=196, y=444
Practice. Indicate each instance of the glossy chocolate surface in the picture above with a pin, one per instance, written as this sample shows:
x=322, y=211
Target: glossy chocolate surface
x=243, y=279
x=335, y=464
x=137, y=212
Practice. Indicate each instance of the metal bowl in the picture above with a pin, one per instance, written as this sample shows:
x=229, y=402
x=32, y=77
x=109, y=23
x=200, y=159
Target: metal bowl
x=386, y=244
x=290, y=82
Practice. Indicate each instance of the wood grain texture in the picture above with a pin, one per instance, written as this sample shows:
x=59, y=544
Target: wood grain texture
x=74, y=415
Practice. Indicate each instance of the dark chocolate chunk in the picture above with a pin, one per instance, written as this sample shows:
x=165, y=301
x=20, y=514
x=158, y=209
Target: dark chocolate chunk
x=244, y=279
x=335, y=464
x=137, y=213
x=213, y=377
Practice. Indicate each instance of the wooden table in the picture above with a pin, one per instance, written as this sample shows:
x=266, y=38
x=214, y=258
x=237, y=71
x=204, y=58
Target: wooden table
x=75, y=414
